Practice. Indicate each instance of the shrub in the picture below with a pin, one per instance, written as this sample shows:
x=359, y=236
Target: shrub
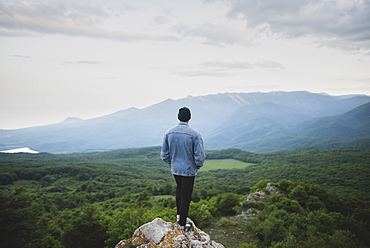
x=225, y=222
x=225, y=204
x=200, y=213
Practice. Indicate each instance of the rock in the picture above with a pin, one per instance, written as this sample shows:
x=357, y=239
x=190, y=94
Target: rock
x=247, y=215
x=160, y=233
x=260, y=195
x=253, y=197
x=272, y=189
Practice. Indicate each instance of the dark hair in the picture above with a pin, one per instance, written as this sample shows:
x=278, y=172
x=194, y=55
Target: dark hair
x=184, y=114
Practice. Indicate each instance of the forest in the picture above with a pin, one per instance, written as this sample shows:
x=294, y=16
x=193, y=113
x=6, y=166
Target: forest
x=95, y=199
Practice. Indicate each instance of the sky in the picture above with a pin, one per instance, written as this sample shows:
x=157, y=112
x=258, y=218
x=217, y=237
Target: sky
x=90, y=58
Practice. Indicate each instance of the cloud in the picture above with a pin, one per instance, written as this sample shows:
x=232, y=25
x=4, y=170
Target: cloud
x=21, y=56
x=82, y=13
x=71, y=18
x=160, y=20
x=228, y=64
x=264, y=64
x=219, y=34
x=336, y=23
x=203, y=73
x=82, y=62
x=218, y=68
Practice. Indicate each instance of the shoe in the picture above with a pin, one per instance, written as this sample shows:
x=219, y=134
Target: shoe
x=188, y=227
x=177, y=218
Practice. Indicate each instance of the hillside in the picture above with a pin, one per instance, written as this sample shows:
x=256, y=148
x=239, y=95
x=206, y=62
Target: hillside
x=354, y=124
x=272, y=127
x=129, y=167
x=257, y=122
x=97, y=199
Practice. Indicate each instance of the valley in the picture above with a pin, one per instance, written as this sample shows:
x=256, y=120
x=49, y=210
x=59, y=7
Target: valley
x=91, y=183
x=53, y=199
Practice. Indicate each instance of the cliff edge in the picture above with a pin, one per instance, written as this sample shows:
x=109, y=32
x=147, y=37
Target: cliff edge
x=160, y=233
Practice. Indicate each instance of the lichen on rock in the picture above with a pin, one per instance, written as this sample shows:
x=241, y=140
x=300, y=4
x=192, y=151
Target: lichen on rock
x=160, y=233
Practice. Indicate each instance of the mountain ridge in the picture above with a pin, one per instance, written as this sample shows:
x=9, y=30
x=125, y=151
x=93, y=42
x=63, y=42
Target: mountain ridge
x=257, y=122
x=356, y=122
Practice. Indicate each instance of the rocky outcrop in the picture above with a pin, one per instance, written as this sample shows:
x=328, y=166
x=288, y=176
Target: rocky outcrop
x=247, y=215
x=272, y=189
x=260, y=196
x=160, y=233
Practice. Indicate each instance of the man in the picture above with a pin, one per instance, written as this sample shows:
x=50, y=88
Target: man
x=182, y=148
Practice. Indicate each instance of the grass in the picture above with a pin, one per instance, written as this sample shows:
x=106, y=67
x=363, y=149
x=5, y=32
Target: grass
x=224, y=164
x=230, y=235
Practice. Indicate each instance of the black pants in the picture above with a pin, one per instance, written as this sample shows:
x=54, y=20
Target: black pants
x=183, y=196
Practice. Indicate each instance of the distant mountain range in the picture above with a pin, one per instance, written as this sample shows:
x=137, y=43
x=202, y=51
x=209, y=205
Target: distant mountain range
x=256, y=122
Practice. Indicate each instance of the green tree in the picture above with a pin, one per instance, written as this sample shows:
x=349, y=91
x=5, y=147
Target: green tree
x=48, y=241
x=200, y=213
x=18, y=217
x=261, y=185
x=340, y=239
x=271, y=230
x=289, y=242
x=124, y=222
x=87, y=229
x=225, y=204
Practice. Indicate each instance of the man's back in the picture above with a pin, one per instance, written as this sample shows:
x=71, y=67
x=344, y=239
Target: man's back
x=183, y=149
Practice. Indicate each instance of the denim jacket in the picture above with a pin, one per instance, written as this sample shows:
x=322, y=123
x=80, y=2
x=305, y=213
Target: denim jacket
x=182, y=148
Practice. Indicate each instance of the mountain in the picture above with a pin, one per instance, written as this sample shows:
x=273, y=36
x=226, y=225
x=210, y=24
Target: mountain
x=261, y=130
x=257, y=122
x=352, y=125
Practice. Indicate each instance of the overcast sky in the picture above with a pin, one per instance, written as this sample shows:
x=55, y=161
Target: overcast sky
x=89, y=58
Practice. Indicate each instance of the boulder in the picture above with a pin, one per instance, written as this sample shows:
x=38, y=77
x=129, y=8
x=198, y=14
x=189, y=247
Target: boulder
x=261, y=195
x=272, y=189
x=254, y=197
x=160, y=233
x=247, y=215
